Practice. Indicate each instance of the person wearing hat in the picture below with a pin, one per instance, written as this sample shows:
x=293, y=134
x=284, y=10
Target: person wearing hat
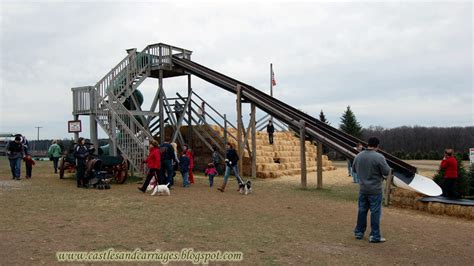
x=15, y=153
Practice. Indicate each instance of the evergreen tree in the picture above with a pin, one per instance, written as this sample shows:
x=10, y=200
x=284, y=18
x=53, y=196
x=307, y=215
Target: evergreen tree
x=322, y=117
x=349, y=124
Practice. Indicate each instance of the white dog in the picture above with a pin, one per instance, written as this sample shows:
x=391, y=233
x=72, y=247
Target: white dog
x=161, y=190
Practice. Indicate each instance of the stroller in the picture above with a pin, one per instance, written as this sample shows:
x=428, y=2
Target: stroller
x=95, y=175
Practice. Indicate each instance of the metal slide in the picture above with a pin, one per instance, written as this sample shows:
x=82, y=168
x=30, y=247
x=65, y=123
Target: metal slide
x=315, y=129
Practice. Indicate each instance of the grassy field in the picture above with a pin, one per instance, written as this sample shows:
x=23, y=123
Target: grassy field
x=277, y=224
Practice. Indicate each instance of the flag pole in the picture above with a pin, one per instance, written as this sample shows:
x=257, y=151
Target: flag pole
x=271, y=79
x=271, y=85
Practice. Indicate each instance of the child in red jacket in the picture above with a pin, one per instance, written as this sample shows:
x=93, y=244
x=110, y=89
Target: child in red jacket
x=189, y=154
x=29, y=162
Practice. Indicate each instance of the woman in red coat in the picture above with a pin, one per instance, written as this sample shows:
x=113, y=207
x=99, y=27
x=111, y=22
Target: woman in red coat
x=450, y=166
x=153, y=163
x=189, y=154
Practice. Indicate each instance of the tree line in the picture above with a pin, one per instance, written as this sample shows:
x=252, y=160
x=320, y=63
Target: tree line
x=407, y=142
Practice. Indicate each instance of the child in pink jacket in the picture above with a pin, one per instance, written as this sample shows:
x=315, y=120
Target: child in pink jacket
x=211, y=172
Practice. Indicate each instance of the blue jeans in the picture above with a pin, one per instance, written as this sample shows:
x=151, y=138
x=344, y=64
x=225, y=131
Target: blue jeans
x=211, y=180
x=374, y=203
x=167, y=171
x=355, y=177
x=15, y=166
x=236, y=173
x=55, y=163
x=349, y=167
x=185, y=178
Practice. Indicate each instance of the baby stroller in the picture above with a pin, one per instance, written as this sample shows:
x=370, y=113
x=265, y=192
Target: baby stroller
x=95, y=175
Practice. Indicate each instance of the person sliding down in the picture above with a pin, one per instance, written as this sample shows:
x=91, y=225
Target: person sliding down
x=231, y=159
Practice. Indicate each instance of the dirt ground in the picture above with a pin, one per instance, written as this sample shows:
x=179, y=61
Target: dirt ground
x=277, y=224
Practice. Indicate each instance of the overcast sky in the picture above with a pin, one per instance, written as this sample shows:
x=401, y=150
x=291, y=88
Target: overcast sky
x=395, y=63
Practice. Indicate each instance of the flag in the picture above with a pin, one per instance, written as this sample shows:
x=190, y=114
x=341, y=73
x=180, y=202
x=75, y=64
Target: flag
x=273, y=79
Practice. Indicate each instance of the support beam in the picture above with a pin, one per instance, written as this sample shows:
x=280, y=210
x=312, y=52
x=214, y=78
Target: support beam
x=161, y=106
x=113, y=137
x=319, y=158
x=303, y=153
x=76, y=134
x=254, y=139
x=225, y=130
x=190, y=129
x=239, y=125
x=93, y=130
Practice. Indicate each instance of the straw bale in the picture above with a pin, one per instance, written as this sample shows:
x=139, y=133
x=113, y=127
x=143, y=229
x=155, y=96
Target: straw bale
x=436, y=208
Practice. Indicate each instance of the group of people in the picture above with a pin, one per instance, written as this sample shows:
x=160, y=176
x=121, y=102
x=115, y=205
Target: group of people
x=162, y=160
x=17, y=150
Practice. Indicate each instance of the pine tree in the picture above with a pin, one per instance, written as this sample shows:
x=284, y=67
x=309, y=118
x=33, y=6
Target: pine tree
x=349, y=124
x=322, y=117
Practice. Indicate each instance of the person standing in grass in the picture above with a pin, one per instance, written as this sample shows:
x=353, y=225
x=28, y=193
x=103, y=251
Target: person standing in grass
x=81, y=153
x=29, y=162
x=231, y=159
x=184, y=168
x=450, y=166
x=371, y=167
x=215, y=159
x=54, y=153
x=153, y=163
x=15, y=152
x=211, y=172
x=189, y=154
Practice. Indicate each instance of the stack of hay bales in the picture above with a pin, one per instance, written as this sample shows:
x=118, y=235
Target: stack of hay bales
x=409, y=199
x=280, y=159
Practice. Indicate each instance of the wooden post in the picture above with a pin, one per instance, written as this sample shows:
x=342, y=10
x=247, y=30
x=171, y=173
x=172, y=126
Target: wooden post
x=225, y=130
x=388, y=188
x=190, y=129
x=239, y=125
x=76, y=134
x=161, y=106
x=93, y=130
x=113, y=137
x=319, y=183
x=303, y=154
x=254, y=139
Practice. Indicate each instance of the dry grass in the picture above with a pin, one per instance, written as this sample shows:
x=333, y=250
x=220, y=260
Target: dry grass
x=277, y=224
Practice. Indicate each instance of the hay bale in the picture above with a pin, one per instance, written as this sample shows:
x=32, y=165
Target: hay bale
x=436, y=208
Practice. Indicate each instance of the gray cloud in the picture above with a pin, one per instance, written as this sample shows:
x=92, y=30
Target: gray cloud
x=396, y=63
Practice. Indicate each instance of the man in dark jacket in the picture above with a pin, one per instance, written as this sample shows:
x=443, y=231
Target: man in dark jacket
x=371, y=167
x=270, y=131
x=167, y=157
x=81, y=153
x=231, y=159
x=15, y=152
x=184, y=166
